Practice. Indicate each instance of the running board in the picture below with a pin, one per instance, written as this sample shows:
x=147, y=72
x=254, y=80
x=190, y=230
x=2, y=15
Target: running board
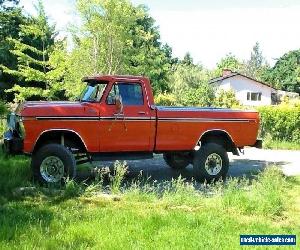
x=121, y=156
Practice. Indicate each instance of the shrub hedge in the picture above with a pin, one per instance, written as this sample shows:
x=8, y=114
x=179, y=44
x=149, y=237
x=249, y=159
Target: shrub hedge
x=165, y=99
x=280, y=122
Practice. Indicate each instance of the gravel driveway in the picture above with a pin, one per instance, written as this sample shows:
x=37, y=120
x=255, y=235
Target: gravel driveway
x=257, y=159
x=248, y=164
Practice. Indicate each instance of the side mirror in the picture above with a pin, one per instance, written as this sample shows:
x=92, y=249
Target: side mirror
x=119, y=104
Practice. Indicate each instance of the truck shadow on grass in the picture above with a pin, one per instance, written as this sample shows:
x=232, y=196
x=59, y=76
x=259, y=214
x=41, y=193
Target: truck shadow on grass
x=157, y=170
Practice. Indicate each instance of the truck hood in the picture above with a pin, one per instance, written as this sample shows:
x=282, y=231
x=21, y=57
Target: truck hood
x=57, y=108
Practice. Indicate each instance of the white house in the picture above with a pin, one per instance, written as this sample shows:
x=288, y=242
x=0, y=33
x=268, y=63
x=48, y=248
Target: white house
x=248, y=91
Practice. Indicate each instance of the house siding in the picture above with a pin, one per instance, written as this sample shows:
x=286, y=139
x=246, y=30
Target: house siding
x=242, y=85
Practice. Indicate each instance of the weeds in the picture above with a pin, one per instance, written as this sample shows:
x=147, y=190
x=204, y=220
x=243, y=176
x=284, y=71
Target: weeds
x=265, y=196
x=72, y=189
x=268, y=192
x=116, y=179
x=98, y=184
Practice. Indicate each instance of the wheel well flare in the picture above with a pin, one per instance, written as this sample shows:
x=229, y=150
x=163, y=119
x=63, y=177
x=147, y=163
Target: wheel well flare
x=69, y=138
x=220, y=137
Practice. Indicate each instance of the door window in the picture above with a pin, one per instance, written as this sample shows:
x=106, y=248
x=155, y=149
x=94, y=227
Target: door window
x=131, y=94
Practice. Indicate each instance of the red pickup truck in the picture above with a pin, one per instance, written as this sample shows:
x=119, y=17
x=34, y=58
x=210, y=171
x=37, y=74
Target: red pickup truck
x=115, y=118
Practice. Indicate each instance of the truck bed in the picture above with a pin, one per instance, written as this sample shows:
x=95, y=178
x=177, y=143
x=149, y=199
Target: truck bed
x=180, y=128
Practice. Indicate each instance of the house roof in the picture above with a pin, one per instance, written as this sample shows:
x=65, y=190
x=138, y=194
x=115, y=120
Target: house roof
x=233, y=74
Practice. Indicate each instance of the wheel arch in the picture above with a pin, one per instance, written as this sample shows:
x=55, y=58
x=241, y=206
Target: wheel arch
x=62, y=136
x=219, y=136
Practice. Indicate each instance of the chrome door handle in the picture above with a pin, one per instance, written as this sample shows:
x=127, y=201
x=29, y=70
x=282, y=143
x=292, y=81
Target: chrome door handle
x=141, y=113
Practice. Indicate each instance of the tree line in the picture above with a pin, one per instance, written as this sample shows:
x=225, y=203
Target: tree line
x=113, y=37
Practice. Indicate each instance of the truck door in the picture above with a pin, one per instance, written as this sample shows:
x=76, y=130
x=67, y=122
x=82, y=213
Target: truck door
x=131, y=128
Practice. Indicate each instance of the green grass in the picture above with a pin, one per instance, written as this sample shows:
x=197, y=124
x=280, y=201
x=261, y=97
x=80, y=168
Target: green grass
x=14, y=172
x=274, y=144
x=143, y=215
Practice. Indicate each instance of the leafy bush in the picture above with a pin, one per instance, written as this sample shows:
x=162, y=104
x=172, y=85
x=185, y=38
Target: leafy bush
x=201, y=96
x=189, y=85
x=281, y=122
x=226, y=99
x=165, y=99
x=3, y=108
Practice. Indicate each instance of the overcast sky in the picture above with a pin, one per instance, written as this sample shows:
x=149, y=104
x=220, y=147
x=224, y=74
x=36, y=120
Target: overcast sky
x=211, y=29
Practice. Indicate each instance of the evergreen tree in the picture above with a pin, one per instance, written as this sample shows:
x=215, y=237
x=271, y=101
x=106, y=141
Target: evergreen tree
x=32, y=51
x=188, y=59
x=256, y=66
x=11, y=18
x=230, y=62
x=256, y=59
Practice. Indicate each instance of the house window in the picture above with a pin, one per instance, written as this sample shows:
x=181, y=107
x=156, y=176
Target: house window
x=253, y=96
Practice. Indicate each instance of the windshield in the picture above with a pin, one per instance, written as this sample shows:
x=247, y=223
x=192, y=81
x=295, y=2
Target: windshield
x=92, y=93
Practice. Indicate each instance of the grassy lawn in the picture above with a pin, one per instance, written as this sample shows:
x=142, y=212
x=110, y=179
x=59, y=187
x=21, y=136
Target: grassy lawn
x=143, y=215
x=273, y=144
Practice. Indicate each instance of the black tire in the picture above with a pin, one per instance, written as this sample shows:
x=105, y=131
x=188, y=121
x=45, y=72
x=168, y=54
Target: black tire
x=57, y=160
x=210, y=163
x=176, y=161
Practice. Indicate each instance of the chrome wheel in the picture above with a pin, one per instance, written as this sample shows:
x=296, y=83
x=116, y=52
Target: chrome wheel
x=213, y=164
x=52, y=169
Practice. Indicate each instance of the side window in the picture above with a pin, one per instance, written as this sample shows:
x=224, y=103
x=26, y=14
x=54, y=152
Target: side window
x=131, y=94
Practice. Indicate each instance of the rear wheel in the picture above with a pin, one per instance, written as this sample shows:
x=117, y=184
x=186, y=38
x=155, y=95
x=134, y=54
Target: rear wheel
x=210, y=162
x=176, y=160
x=53, y=163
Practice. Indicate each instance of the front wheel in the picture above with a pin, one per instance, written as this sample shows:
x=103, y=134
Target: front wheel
x=210, y=162
x=53, y=163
